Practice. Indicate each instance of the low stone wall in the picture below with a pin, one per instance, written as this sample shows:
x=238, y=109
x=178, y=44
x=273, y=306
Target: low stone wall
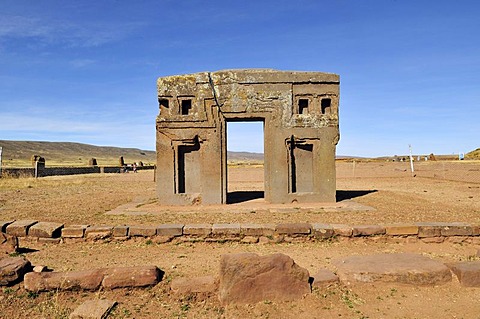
x=56, y=171
x=246, y=233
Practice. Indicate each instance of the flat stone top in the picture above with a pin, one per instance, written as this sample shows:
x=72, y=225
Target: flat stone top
x=250, y=76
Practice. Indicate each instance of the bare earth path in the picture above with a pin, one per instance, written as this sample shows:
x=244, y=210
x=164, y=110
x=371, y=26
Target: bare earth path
x=393, y=194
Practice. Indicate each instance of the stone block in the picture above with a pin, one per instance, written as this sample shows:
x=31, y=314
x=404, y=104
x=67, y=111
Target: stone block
x=249, y=240
x=368, y=230
x=93, y=309
x=457, y=229
x=74, y=231
x=324, y=278
x=142, y=231
x=432, y=240
x=198, y=285
x=197, y=229
x=294, y=229
x=401, y=230
x=250, y=278
x=82, y=280
x=342, y=230
x=171, y=230
x=98, y=232
x=322, y=231
x=20, y=228
x=13, y=269
x=226, y=229
x=4, y=224
x=8, y=244
x=257, y=229
x=404, y=268
x=467, y=272
x=140, y=276
x=120, y=231
x=426, y=230
x=45, y=230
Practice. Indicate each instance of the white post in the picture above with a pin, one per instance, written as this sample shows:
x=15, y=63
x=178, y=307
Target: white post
x=411, y=160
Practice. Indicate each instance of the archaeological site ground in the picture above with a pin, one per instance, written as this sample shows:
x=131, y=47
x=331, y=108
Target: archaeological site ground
x=380, y=209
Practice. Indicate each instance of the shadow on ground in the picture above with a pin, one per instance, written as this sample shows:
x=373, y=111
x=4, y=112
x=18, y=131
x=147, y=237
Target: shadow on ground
x=243, y=196
x=343, y=195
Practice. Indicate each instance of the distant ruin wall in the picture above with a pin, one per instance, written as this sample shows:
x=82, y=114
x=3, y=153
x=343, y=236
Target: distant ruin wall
x=58, y=171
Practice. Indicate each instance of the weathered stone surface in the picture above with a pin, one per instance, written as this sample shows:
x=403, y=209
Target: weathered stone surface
x=294, y=229
x=45, y=281
x=74, y=231
x=430, y=229
x=302, y=106
x=20, y=228
x=432, y=240
x=249, y=240
x=93, y=309
x=131, y=277
x=401, y=230
x=120, y=231
x=226, y=229
x=457, y=229
x=4, y=224
x=142, y=231
x=98, y=232
x=257, y=229
x=342, y=230
x=12, y=270
x=249, y=278
x=197, y=229
x=405, y=268
x=171, y=230
x=322, y=231
x=324, y=278
x=197, y=285
x=8, y=244
x=467, y=272
x=40, y=268
x=368, y=230
x=45, y=230
x=108, y=278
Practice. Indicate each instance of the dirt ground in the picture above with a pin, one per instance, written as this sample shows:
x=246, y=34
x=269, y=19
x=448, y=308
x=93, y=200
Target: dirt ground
x=437, y=193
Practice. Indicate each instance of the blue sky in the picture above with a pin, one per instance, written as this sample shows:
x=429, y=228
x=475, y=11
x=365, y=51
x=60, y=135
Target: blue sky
x=85, y=71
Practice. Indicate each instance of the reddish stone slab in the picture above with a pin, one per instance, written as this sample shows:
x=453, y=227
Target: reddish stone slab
x=197, y=229
x=324, y=278
x=8, y=244
x=467, y=272
x=368, y=230
x=322, y=231
x=226, y=229
x=342, y=230
x=139, y=276
x=98, y=232
x=120, y=231
x=142, y=231
x=172, y=230
x=93, y=309
x=294, y=229
x=249, y=278
x=413, y=269
x=45, y=281
x=74, y=231
x=457, y=229
x=45, y=230
x=13, y=269
x=257, y=229
x=401, y=230
x=20, y=228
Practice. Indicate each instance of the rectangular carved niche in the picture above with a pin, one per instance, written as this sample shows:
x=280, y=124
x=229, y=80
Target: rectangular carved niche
x=300, y=166
x=188, y=168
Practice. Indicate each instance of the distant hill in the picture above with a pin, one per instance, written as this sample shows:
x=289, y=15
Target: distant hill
x=473, y=154
x=18, y=154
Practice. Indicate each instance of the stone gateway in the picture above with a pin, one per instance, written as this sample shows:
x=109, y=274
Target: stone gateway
x=299, y=111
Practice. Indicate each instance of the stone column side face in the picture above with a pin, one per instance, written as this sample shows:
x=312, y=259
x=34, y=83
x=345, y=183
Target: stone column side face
x=300, y=115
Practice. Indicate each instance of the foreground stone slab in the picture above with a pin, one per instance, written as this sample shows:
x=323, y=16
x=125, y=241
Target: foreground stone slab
x=8, y=244
x=413, y=269
x=250, y=278
x=13, y=269
x=46, y=230
x=108, y=278
x=198, y=285
x=467, y=272
x=93, y=309
x=20, y=228
x=324, y=278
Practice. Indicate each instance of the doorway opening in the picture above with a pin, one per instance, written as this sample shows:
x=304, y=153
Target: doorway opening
x=245, y=159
